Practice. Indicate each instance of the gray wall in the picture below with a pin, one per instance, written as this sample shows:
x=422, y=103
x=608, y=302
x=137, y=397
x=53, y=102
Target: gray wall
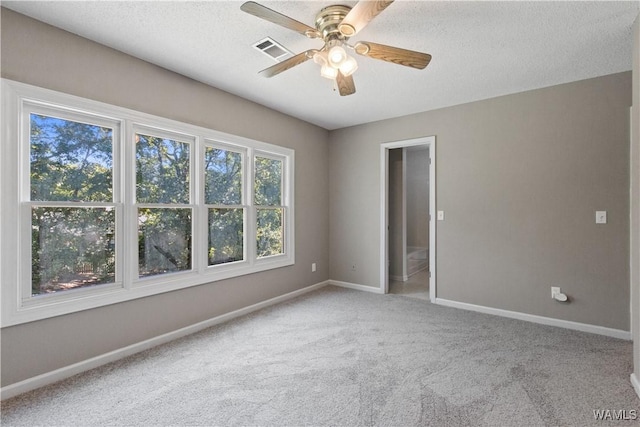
x=417, y=164
x=519, y=178
x=41, y=55
x=397, y=229
x=635, y=199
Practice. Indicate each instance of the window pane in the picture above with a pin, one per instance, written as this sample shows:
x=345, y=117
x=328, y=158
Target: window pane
x=71, y=248
x=268, y=182
x=226, y=235
x=223, y=177
x=70, y=161
x=164, y=241
x=270, y=232
x=162, y=170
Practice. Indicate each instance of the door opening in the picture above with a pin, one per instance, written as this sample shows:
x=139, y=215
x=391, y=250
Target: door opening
x=407, y=234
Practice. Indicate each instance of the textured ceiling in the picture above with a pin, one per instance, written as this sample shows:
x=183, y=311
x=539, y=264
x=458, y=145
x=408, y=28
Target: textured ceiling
x=480, y=49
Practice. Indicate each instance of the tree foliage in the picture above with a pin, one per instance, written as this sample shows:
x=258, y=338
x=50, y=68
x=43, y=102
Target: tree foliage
x=164, y=240
x=223, y=177
x=70, y=161
x=162, y=170
x=268, y=182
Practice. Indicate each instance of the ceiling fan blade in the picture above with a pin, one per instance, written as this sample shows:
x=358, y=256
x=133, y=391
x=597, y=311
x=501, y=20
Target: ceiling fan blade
x=408, y=58
x=361, y=14
x=346, y=86
x=265, y=13
x=289, y=63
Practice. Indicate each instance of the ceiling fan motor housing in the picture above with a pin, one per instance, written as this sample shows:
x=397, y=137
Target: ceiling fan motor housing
x=328, y=20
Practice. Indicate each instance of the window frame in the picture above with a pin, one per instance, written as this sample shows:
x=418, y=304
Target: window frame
x=245, y=189
x=132, y=241
x=283, y=204
x=15, y=204
x=26, y=204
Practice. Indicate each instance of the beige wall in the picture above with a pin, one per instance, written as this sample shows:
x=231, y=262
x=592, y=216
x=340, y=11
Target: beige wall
x=519, y=178
x=397, y=226
x=41, y=55
x=417, y=164
x=635, y=201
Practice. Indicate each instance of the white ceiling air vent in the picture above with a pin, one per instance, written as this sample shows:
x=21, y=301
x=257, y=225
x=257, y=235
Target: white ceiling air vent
x=272, y=49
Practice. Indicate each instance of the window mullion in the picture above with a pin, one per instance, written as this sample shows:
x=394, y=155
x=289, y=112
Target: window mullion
x=195, y=201
x=130, y=223
x=250, y=235
x=24, y=219
x=24, y=293
x=200, y=209
x=118, y=199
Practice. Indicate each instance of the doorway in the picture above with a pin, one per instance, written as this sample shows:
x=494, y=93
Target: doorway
x=407, y=255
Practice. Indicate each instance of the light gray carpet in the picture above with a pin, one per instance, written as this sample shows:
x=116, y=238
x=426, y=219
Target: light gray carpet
x=347, y=358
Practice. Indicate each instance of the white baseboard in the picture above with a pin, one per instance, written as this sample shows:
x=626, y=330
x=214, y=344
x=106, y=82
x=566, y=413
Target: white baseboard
x=68, y=371
x=636, y=383
x=399, y=278
x=567, y=324
x=356, y=286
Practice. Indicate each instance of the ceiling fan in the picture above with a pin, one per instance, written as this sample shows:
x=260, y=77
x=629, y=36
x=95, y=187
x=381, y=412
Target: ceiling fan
x=335, y=25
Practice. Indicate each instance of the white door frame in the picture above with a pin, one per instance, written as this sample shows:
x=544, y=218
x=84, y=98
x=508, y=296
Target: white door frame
x=429, y=141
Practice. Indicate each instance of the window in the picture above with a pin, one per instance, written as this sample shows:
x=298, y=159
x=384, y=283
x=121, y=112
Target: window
x=163, y=204
x=70, y=200
x=223, y=194
x=112, y=204
x=269, y=208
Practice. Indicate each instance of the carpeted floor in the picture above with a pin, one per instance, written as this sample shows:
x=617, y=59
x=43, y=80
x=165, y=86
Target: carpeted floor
x=347, y=358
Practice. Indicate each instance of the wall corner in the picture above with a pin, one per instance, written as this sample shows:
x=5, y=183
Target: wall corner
x=635, y=207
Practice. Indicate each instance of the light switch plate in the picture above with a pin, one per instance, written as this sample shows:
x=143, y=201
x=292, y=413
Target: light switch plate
x=440, y=215
x=601, y=217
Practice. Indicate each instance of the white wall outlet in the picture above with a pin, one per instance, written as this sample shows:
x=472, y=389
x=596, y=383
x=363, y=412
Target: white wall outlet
x=313, y=267
x=554, y=291
x=440, y=215
x=601, y=217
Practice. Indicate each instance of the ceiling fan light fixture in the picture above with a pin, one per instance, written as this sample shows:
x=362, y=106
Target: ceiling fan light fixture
x=349, y=66
x=320, y=58
x=328, y=72
x=337, y=55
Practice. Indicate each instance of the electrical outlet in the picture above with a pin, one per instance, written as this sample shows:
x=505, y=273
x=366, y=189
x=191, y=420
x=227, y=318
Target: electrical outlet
x=554, y=290
x=313, y=267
